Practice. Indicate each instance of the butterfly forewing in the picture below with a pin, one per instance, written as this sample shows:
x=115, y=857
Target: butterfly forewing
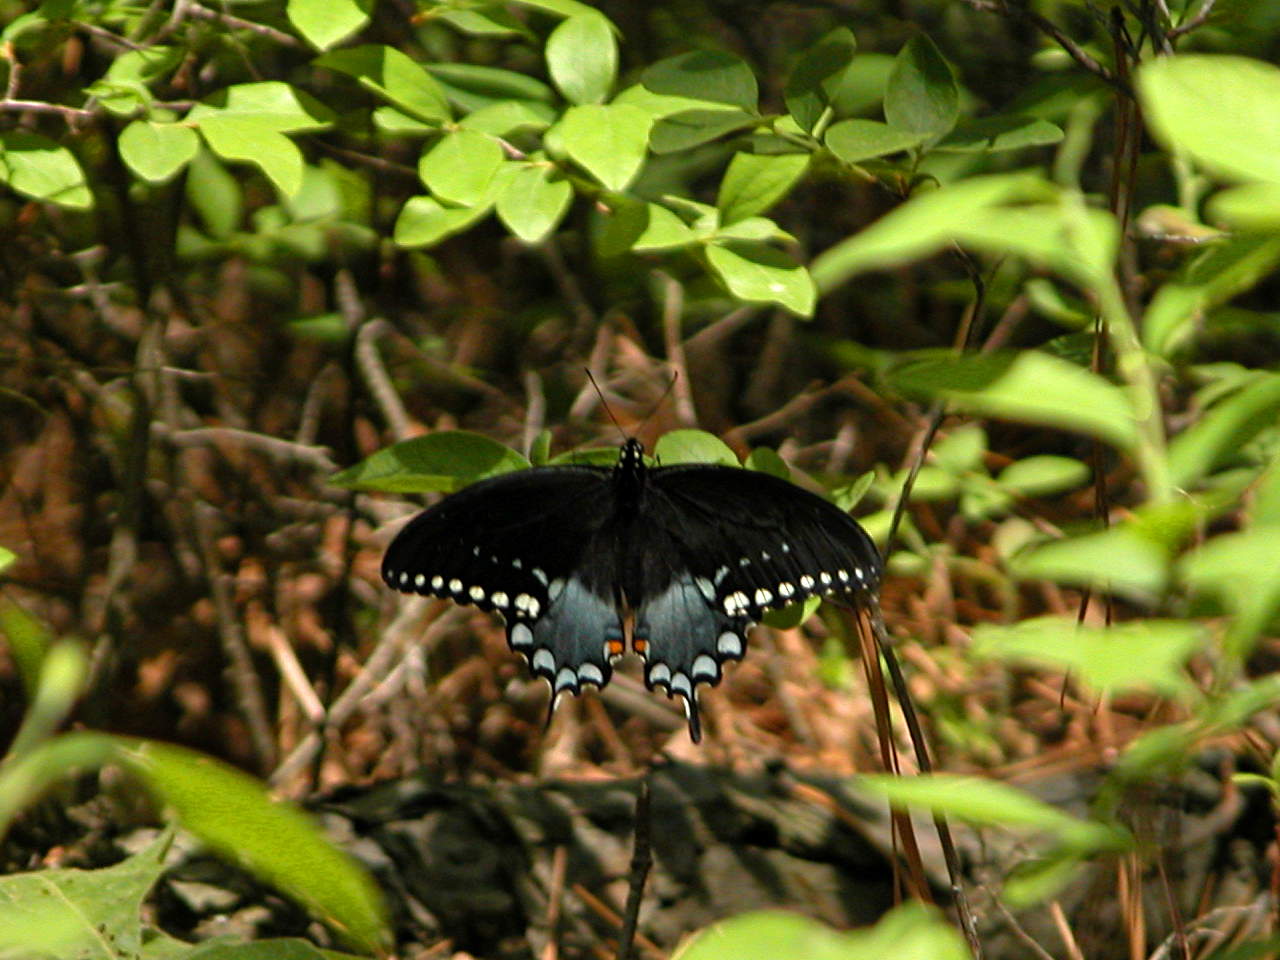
x=697, y=553
x=516, y=544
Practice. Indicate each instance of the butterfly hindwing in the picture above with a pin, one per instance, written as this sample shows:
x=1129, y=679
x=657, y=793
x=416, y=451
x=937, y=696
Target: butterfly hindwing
x=514, y=544
x=746, y=542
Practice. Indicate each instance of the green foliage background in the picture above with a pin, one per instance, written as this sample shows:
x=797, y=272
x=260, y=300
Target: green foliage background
x=1060, y=227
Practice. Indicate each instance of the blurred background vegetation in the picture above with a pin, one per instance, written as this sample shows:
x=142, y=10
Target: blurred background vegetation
x=196, y=333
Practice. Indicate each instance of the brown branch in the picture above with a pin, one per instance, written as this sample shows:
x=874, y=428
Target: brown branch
x=261, y=29
x=1198, y=20
x=1048, y=27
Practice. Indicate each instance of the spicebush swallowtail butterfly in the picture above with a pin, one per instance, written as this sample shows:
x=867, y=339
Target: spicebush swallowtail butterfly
x=695, y=553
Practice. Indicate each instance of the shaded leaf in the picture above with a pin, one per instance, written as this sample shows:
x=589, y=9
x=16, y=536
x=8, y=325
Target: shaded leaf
x=856, y=140
x=1146, y=654
x=994, y=134
x=818, y=75
x=754, y=183
x=921, y=95
x=393, y=76
x=444, y=461
x=1027, y=386
x=704, y=75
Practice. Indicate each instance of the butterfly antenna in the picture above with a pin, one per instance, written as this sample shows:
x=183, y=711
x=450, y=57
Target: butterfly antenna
x=605, y=403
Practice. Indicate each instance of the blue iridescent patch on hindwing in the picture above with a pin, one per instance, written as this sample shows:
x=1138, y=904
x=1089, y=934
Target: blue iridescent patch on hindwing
x=684, y=640
x=569, y=641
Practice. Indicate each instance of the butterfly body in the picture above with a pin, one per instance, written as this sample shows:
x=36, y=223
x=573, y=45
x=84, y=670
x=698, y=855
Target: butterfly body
x=693, y=554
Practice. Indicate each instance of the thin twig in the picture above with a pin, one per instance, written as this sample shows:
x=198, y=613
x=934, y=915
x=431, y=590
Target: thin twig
x=968, y=921
x=378, y=381
x=641, y=861
x=555, y=900
x=672, y=313
x=240, y=668
x=1201, y=16
x=198, y=12
x=39, y=106
x=1046, y=26
x=279, y=450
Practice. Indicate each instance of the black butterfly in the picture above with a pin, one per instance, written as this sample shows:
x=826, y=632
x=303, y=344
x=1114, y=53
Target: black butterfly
x=695, y=552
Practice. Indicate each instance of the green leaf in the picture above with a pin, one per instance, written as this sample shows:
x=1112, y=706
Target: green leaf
x=1219, y=273
x=534, y=202
x=994, y=134
x=643, y=228
x=659, y=105
x=491, y=21
x=234, y=815
x=961, y=450
x=705, y=75
x=324, y=22
x=61, y=683
x=509, y=116
x=444, y=461
x=856, y=140
x=757, y=229
x=123, y=89
x=922, y=95
x=1217, y=436
x=761, y=274
x=861, y=89
x=393, y=76
x=989, y=803
x=1218, y=109
x=424, y=222
x=460, y=166
x=157, y=151
x=271, y=105
x=768, y=461
x=693, y=446
x=921, y=225
x=1253, y=206
x=37, y=167
x=1043, y=476
x=818, y=75
x=90, y=914
x=7, y=559
x=909, y=932
x=754, y=183
x=1144, y=654
x=582, y=58
x=609, y=142
x=1078, y=242
x=1240, y=569
x=472, y=87
x=23, y=779
x=29, y=641
x=560, y=8
x=215, y=195
x=255, y=141
x=692, y=128
x=1118, y=560
x=1027, y=386
x=275, y=948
